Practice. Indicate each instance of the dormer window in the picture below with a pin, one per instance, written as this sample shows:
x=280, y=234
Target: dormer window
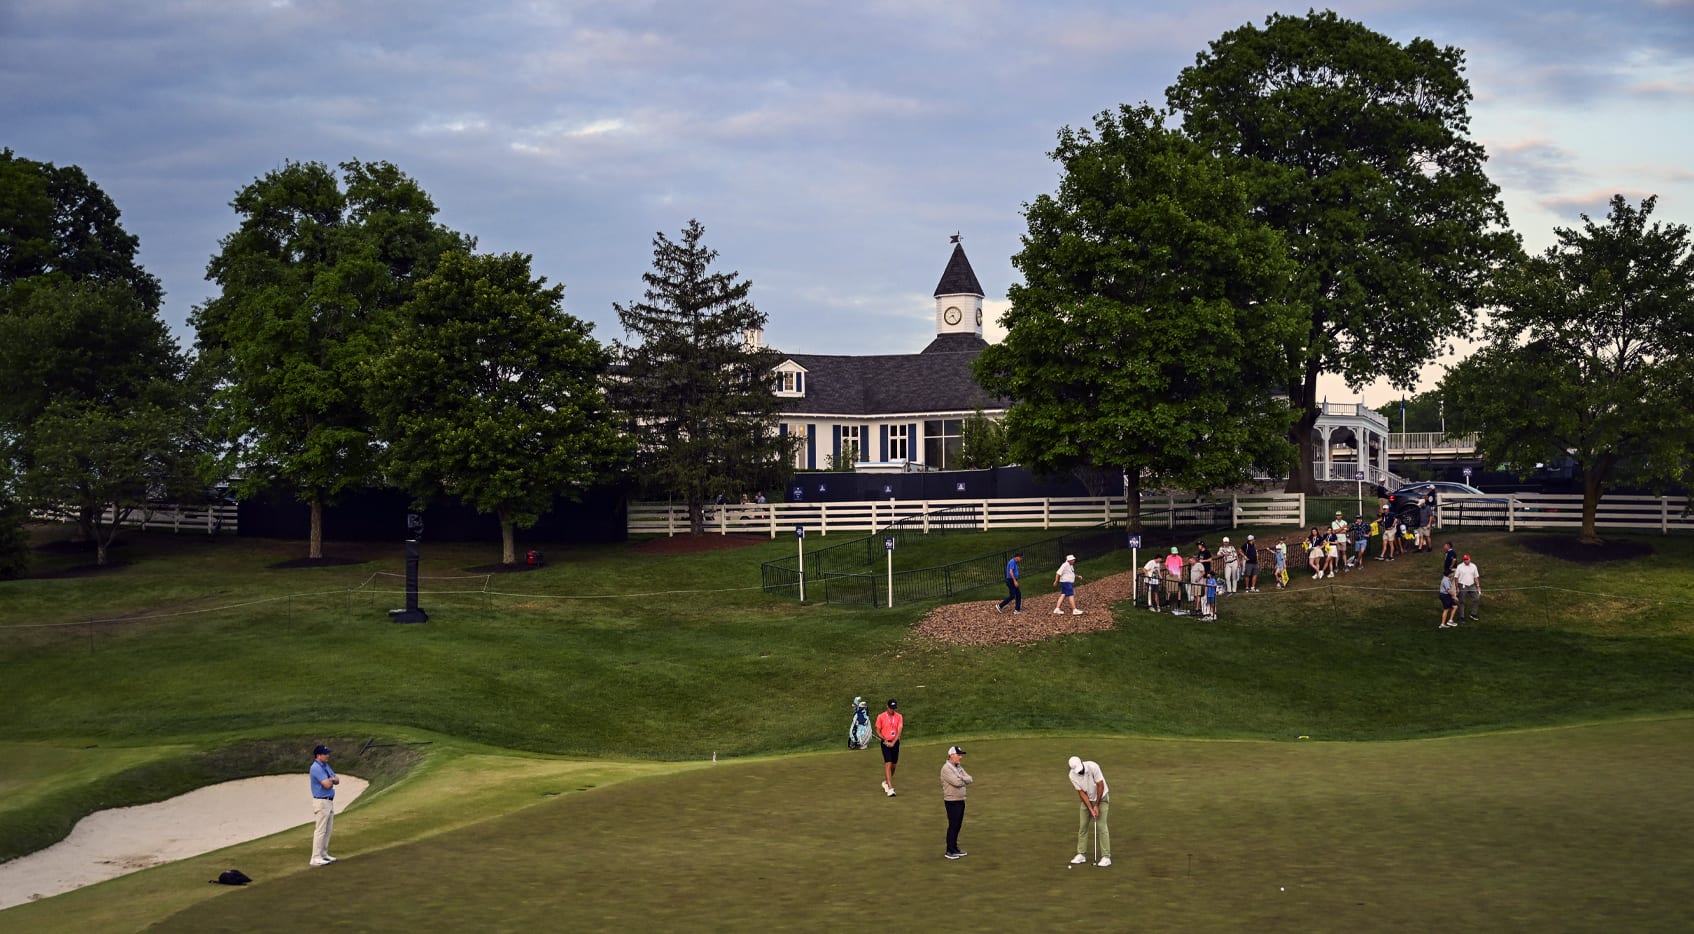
x=790, y=381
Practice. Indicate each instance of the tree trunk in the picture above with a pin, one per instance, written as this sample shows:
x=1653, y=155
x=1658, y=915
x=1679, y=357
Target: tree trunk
x=315, y=546
x=508, y=541
x=100, y=551
x=1591, y=489
x=1300, y=476
x=696, y=517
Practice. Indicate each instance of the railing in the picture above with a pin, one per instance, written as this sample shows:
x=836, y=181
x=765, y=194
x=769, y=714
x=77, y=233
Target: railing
x=1662, y=514
x=984, y=514
x=1349, y=471
x=212, y=519
x=1427, y=441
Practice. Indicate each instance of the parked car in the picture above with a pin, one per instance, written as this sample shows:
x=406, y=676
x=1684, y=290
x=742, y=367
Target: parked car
x=1461, y=503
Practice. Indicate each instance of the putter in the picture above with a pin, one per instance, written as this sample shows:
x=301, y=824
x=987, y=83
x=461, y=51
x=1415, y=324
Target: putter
x=1096, y=838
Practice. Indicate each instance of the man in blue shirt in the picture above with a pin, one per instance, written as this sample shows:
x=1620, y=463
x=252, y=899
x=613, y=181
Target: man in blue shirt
x=324, y=781
x=1014, y=593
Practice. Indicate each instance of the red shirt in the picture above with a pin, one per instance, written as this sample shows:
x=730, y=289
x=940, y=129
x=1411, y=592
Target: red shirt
x=889, y=723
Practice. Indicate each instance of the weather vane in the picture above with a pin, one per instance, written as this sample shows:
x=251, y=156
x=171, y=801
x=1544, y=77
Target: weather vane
x=955, y=237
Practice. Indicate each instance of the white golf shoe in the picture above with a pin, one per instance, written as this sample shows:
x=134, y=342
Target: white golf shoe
x=1079, y=859
x=1104, y=861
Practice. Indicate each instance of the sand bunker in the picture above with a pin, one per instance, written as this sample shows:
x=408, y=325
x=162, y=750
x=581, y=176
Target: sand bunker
x=108, y=844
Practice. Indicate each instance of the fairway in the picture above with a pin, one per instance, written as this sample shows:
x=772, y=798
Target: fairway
x=1448, y=834
x=543, y=748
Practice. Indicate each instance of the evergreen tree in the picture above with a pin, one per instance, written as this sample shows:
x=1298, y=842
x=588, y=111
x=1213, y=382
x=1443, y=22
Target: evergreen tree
x=697, y=392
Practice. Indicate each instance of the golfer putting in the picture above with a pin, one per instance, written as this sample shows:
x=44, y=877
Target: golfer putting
x=1090, y=785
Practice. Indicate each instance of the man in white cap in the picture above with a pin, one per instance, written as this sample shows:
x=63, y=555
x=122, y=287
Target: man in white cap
x=955, y=783
x=1090, y=785
x=1065, y=579
x=1231, y=565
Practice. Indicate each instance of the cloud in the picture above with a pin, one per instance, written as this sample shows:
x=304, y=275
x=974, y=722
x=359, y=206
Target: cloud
x=1539, y=165
x=1593, y=203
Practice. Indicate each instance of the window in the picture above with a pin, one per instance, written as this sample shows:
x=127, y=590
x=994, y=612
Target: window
x=943, y=442
x=790, y=382
x=897, y=450
x=851, y=449
x=798, y=436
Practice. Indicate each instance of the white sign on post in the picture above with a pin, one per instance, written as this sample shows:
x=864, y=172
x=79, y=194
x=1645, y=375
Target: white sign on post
x=888, y=543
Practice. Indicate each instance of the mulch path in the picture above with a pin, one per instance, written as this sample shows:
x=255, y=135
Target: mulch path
x=976, y=623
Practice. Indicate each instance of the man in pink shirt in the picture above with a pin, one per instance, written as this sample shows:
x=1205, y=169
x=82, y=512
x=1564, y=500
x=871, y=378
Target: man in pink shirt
x=889, y=725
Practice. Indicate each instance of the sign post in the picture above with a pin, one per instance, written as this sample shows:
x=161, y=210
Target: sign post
x=1134, y=563
x=1360, y=489
x=800, y=543
x=888, y=543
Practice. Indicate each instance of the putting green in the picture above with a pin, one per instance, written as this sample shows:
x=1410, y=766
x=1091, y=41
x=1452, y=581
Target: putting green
x=1581, y=828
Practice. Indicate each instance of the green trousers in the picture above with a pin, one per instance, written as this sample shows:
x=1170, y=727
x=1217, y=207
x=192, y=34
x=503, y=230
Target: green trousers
x=1084, y=832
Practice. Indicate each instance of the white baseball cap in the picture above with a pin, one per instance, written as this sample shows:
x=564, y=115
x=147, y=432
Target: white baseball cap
x=1226, y=539
x=1076, y=763
x=1070, y=557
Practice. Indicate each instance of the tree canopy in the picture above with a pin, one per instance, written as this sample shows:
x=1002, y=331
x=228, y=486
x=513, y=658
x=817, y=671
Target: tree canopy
x=492, y=394
x=1147, y=334
x=697, y=391
x=1587, y=353
x=1356, y=148
x=310, y=283
x=95, y=410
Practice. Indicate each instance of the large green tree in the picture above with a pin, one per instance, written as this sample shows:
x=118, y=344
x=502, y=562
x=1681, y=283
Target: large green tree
x=1587, y=354
x=55, y=222
x=95, y=411
x=1357, y=149
x=697, y=392
x=492, y=394
x=310, y=285
x=1146, y=335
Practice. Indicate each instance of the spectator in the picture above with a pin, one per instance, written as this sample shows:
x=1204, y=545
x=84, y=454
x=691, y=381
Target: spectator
x=1229, y=558
x=1469, y=578
x=1250, y=565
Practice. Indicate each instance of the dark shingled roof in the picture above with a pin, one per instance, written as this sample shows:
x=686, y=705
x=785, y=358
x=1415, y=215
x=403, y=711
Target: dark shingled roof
x=892, y=384
x=956, y=343
x=958, y=278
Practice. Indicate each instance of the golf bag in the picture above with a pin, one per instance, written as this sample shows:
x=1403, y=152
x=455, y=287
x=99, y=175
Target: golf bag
x=859, y=730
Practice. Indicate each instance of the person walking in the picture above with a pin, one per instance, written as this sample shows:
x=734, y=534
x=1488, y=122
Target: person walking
x=1449, y=601
x=889, y=726
x=1065, y=579
x=1090, y=785
x=1014, y=592
x=1469, y=578
x=955, y=781
x=324, y=781
x=1250, y=565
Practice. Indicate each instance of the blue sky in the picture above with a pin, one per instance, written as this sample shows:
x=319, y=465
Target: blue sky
x=829, y=149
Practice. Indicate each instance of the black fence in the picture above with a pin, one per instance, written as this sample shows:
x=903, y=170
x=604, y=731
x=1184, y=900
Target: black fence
x=848, y=573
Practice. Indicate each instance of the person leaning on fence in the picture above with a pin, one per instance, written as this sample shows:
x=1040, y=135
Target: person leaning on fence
x=1150, y=581
x=1173, y=575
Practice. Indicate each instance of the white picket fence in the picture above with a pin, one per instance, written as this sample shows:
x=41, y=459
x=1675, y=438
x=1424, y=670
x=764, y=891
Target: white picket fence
x=212, y=520
x=1033, y=513
x=1662, y=514
x=1262, y=510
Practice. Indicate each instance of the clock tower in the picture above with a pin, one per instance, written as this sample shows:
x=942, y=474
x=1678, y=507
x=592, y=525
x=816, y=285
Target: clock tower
x=958, y=297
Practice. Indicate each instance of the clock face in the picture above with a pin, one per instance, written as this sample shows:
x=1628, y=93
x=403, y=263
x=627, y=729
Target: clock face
x=951, y=316
x=979, y=317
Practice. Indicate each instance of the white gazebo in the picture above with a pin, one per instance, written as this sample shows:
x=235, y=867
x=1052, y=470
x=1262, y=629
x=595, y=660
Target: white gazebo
x=1350, y=437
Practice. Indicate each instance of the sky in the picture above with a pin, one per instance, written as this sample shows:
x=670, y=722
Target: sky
x=829, y=149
